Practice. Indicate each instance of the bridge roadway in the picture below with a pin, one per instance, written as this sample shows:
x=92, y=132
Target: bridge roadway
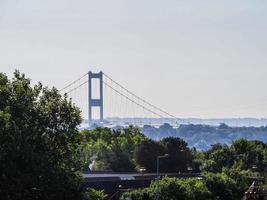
x=112, y=182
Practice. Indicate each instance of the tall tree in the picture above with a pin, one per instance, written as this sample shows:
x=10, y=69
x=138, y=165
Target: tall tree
x=39, y=142
x=146, y=154
x=179, y=156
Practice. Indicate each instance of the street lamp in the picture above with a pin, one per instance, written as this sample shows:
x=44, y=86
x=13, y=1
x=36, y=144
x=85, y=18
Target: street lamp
x=143, y=170
x=119, y=191
x=159, y=157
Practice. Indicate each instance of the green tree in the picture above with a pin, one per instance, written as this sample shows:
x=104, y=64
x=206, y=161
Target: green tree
x=110, y=149
x=179, y=156
x=222, y=186
x=39, y=142
x=146, y=154
x=217, y=157
x=250, y=154
x=243, y=178
x=120, y=161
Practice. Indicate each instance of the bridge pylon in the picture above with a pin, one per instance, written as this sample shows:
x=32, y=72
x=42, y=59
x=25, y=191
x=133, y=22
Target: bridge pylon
x=92, y=101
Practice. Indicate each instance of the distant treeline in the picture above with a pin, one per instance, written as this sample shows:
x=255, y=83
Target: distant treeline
x=203, y=136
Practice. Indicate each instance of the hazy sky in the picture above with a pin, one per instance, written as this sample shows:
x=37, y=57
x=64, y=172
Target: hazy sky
x=201, y=58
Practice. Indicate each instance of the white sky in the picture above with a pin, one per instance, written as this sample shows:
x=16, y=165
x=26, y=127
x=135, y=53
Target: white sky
x=201, y=58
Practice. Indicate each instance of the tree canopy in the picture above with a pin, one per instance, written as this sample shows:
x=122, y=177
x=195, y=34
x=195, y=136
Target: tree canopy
x=39, y=142
x=107, y=149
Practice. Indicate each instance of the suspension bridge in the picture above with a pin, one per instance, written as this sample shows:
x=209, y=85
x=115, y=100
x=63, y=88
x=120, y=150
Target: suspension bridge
x=104, y=101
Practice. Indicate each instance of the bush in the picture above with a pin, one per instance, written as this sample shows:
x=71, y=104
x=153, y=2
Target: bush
x=92, y=194
x=172, y=188
x=221, y=186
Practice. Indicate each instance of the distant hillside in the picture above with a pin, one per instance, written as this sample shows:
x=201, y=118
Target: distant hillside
x=233, y=122
x=203, y=136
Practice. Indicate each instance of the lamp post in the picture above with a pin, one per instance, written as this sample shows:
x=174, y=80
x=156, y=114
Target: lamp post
x=158, y=158
x=143, y=170
x=119, y=191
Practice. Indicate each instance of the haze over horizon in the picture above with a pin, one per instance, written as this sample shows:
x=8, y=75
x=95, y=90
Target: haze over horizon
x=203, y=59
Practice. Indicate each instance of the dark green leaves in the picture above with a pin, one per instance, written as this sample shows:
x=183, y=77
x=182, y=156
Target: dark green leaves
x=39, y=142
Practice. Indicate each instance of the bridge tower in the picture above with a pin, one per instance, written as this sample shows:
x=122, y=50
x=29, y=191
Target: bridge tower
x=92, y=101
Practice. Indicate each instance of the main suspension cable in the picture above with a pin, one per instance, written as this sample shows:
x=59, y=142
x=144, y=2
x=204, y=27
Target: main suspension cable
x=149, y=110
x=73, y=82
x=143, y=100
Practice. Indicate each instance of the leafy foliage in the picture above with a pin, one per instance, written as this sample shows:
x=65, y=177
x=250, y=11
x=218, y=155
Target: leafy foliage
x=110, y=149
x=179, y=156
x=242, y=154
x=222, y=186
x=128, y=149
x=39, y=142
x=146, y=154
x=95, y=194
x=172, y=188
